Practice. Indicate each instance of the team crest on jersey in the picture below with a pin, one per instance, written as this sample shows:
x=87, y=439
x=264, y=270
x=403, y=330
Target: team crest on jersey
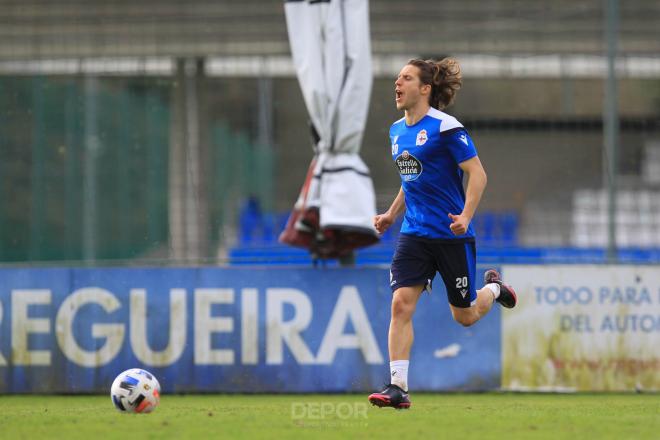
x=395, y=146
x=410, y=168
x=422, y=137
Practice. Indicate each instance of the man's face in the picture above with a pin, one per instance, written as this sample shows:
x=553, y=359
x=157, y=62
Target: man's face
x=408, y=89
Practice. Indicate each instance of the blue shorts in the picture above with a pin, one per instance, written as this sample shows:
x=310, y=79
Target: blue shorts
x=417, y=259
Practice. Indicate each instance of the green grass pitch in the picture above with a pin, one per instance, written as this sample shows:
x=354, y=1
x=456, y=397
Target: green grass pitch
x=450, y=416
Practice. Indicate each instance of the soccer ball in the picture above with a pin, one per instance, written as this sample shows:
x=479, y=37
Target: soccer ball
x=135, y=391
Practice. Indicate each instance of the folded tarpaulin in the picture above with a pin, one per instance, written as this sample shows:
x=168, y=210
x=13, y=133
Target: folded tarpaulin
x=331, y=49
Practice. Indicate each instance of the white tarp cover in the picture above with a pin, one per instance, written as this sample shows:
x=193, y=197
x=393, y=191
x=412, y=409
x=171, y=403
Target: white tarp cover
x=330, y=45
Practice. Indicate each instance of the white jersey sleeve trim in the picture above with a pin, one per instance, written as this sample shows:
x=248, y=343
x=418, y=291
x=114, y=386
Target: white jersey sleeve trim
x=395, y=123
x=447, y=122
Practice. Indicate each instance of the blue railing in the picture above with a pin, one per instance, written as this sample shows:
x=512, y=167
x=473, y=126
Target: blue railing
x=497, y=243
x=276, y=254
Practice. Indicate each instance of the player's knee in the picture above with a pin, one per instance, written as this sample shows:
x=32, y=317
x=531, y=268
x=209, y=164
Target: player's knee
x=465, y=319
x=402, y=308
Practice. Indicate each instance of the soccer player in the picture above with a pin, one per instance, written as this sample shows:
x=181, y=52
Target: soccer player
x=432, y=151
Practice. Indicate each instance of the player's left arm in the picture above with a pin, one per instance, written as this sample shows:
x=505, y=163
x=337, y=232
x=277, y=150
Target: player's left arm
x=476, y=185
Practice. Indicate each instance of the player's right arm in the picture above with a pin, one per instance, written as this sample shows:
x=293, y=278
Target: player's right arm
x=385, y=220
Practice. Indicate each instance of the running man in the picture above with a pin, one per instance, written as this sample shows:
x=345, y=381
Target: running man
x=432, y=151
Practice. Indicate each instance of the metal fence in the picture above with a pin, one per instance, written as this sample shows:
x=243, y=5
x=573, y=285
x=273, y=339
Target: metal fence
x=171, y=133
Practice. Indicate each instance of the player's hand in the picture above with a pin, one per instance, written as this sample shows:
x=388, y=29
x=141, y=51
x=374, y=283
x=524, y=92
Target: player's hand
x=382, y=222
x=459, y=224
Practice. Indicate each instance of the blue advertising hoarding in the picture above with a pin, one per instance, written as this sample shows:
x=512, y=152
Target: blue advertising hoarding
x=70, y=330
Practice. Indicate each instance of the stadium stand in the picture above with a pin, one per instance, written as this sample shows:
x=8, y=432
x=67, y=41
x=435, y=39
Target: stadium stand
x=133, y=57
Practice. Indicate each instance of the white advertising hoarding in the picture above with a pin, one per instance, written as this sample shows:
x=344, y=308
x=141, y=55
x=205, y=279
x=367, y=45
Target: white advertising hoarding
x=582, y=328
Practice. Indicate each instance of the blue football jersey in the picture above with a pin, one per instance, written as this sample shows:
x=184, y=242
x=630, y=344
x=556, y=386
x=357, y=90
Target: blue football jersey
x=427, y=155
